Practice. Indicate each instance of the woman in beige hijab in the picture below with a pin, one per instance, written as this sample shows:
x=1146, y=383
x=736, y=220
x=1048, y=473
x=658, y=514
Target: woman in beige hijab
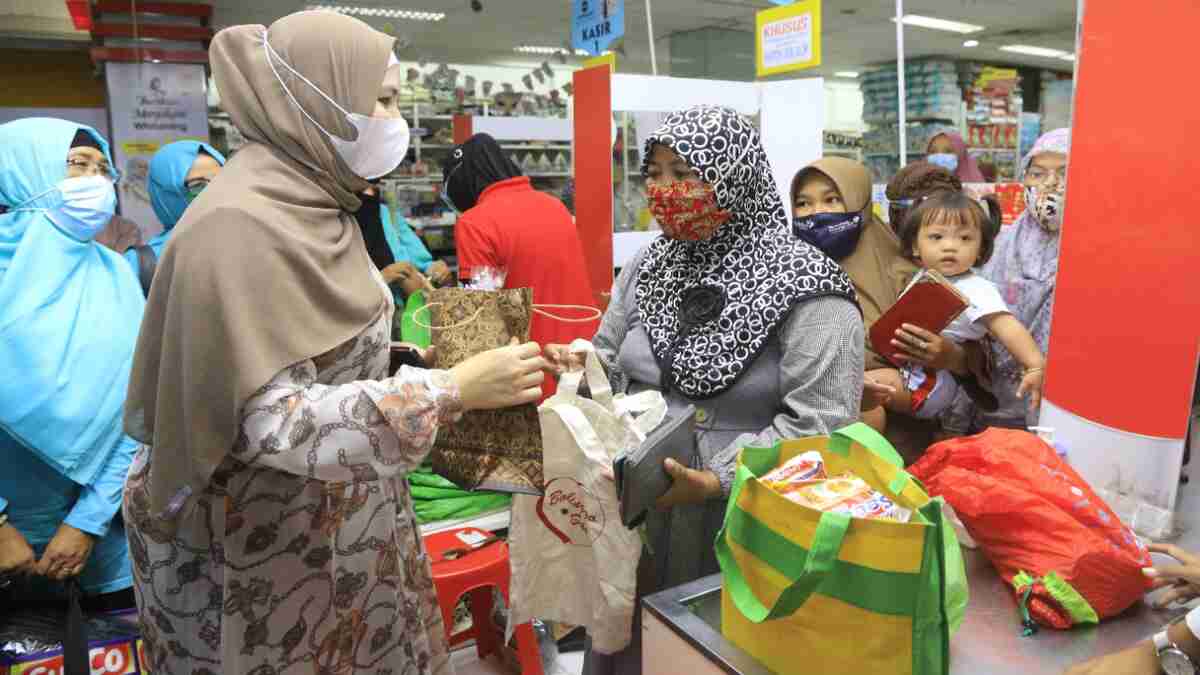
x=269, y=522
x=825, y=196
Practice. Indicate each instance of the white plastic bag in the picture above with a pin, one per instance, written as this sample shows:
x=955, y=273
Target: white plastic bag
x=572, y=559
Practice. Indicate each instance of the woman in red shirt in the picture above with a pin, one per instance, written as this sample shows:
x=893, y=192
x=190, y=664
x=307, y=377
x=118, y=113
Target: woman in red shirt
x=510, y=235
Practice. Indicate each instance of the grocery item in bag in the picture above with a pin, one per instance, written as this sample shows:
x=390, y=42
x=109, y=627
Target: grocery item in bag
x=1068, y=557
x=797, y=470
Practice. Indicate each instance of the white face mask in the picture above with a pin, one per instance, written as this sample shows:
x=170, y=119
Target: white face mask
x=381, y=142
x=88, y=203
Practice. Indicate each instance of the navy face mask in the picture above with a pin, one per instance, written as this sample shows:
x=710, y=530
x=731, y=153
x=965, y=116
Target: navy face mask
x=836, y=234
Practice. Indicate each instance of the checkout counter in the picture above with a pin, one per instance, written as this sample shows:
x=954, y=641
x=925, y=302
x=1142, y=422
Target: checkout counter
x=682, y=626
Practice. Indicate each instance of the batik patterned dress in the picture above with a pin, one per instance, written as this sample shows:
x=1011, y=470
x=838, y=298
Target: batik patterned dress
x=303, y=555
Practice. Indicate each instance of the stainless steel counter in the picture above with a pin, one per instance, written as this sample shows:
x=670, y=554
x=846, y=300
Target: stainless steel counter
x=989, y=642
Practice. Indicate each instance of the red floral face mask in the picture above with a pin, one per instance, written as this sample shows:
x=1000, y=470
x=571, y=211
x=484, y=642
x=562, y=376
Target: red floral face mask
x=686, y=211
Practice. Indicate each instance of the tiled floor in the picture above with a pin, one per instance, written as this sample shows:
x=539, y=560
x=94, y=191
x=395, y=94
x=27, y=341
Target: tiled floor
x=466, y=663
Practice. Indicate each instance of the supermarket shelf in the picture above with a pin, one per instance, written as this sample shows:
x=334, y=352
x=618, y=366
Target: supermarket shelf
x=491, y=521
x=550, y=174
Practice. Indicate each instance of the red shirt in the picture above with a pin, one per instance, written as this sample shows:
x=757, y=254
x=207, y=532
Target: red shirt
x=531, y=238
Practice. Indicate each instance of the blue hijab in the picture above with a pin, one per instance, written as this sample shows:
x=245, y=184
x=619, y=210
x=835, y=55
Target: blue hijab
x=69, y=312
x=168, y=195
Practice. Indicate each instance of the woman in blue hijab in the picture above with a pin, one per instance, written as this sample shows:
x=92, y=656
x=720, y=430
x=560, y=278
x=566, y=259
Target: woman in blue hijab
x=179, y=172
x=69, y=318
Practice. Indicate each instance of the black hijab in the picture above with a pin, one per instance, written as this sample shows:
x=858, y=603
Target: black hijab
x=370, y=222
x=711, y=307
x=474, y=166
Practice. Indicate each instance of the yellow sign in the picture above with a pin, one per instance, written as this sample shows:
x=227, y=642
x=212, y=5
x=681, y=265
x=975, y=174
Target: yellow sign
x=609, y=57
x=788, y=38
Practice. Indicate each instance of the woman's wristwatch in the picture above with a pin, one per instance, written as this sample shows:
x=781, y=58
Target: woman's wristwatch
x=1171, y=658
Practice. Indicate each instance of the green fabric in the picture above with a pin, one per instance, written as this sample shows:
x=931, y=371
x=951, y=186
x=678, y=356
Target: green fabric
x=1077, y=607
x=436, y=498
x=892, y=593
x=410, y=331
x=931, y=622
x=840, y=441
x=432, y=511
x=956, y=589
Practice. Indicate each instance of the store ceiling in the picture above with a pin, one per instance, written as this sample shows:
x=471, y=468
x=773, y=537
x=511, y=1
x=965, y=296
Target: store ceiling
x=857, y=33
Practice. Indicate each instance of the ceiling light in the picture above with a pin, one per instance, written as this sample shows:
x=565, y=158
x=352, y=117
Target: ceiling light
x=382, y=12
x=1035, y=51
x=532, y=49
x=846, y=73
x=940, y=24
x=971, y=43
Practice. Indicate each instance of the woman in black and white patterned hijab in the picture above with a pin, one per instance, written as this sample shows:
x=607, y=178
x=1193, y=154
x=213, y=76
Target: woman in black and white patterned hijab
x=748, y=271
x=732, y=314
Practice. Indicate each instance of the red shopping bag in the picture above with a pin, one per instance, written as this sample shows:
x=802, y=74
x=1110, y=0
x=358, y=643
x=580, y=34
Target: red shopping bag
x=1068, y=557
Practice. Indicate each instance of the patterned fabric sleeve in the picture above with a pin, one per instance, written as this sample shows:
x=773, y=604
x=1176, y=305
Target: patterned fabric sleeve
x=821, y=375
x=359, y=431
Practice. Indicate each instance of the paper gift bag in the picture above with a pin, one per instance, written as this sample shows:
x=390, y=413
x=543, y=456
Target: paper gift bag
x=497, y=450
x=839, y=594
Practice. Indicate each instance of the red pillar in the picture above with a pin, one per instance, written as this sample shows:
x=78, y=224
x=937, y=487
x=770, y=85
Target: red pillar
x=1126, y=328
x=593, y=175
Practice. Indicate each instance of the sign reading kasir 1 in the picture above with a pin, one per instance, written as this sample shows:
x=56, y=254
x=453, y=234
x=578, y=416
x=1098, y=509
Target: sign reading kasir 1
x=596, y=24
x=788, y=38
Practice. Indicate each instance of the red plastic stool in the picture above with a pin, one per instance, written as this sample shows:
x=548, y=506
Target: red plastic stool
x=474, y=575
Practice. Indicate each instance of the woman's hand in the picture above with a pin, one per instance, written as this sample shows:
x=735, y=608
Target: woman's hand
x=501, y=378
x=16, y=555
x=408, y=276
x=688, y=486
x=1183, y=579
x=561, y=359
x=439, y=273
x=918, y=346
x=66, y=554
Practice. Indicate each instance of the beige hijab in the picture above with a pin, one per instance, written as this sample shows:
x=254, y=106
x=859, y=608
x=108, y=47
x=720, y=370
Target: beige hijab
x=267, y=268
x=877, y=267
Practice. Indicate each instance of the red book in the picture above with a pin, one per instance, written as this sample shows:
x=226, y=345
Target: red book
x=930, y=302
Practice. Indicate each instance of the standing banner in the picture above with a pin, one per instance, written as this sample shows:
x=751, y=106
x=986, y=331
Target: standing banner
x=596, y=24
x=151, y=105
x=788, y=38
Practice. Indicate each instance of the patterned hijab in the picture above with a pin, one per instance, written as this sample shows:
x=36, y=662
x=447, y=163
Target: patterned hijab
x=711, y=307
x=1025, y=265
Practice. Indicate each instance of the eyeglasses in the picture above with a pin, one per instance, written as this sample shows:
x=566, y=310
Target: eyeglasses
x=1039, y=175
x=81, y=167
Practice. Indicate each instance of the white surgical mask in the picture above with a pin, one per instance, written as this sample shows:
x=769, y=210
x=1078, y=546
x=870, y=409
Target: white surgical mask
x=381, y=142
x=88, y=203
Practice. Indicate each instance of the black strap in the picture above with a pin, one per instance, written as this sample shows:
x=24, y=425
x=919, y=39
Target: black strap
x=147, y=261
x=75, y=641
